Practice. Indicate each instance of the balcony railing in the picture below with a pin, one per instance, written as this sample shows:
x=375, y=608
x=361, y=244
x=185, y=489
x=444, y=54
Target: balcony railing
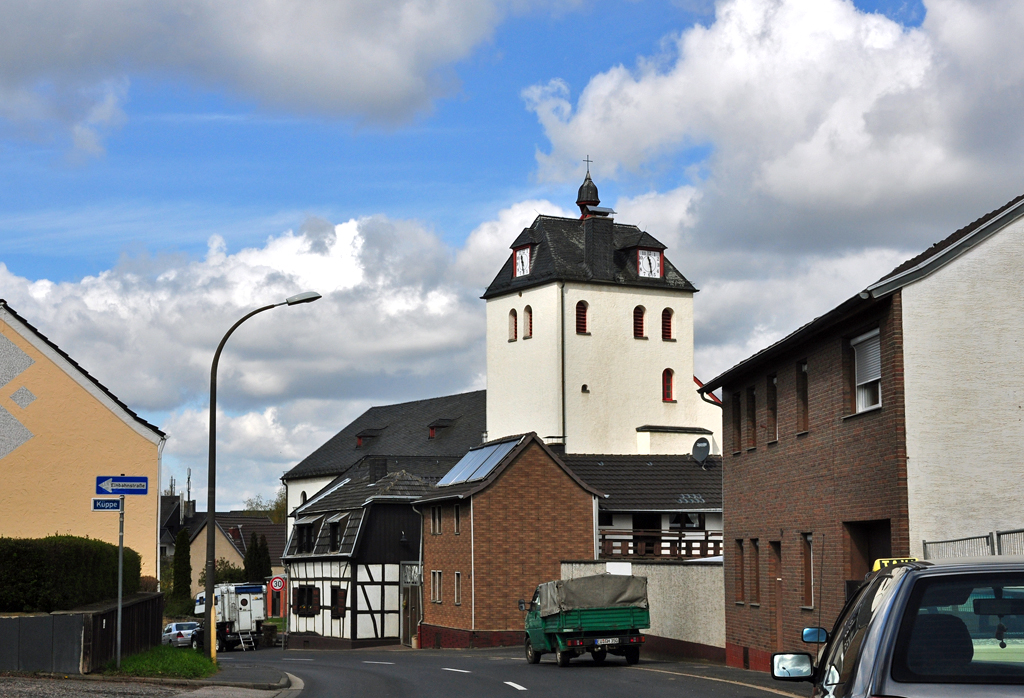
x=659, y=544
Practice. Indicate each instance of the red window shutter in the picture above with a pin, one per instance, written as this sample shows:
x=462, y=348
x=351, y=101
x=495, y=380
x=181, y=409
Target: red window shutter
x=638, y=321
x=316, y=600
x=528, y=329
x=666, y=384
x=581, y=318
x=666, y=323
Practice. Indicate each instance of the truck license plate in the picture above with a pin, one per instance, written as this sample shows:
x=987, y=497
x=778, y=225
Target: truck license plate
x=607, y=641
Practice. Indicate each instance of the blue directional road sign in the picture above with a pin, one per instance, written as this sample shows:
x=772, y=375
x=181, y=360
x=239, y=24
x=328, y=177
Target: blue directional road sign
x=120, y=484
x=106, y=504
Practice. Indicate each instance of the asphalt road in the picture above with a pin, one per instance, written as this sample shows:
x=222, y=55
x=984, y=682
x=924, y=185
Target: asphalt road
x=502, y=673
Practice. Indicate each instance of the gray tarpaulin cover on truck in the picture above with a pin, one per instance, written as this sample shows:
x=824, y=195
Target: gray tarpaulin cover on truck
x=598, y=591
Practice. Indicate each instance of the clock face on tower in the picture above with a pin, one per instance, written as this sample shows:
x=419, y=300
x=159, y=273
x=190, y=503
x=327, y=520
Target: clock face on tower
x=649, y=263
x=522, y=261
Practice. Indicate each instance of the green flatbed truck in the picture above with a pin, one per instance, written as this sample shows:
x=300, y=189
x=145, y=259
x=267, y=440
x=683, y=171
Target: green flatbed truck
x=601, y=614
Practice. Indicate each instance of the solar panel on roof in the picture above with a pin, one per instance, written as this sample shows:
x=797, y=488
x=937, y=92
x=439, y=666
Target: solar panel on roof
x=478, y=463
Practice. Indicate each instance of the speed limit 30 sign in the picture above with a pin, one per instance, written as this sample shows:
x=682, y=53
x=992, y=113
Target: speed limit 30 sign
x=277, y=583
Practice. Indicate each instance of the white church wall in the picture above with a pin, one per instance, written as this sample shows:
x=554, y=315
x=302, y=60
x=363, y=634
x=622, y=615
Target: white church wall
x=524, y=376
x=294, y=490
x=623, y=374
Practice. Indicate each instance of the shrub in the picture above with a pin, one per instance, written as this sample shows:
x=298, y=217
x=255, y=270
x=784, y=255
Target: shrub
x=61, y=572
x=148, y=584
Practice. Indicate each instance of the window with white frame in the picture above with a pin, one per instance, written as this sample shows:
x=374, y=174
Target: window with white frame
x=457, y=520
x=435, y=520
x=458, y=588
x=867, y=363
x=435, y=586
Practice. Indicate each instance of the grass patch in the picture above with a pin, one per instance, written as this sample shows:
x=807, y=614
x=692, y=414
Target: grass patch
x=164, y=661
x=279, y=622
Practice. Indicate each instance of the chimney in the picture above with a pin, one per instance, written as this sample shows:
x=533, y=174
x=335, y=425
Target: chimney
x=378, y=468
x=599, y=245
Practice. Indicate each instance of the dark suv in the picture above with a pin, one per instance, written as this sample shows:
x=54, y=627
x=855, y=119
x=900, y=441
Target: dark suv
x=951, y=627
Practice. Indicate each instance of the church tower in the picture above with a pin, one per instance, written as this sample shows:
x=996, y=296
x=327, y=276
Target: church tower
x=590, y=340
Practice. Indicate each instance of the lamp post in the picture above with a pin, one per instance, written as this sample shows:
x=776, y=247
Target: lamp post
x=210, y=635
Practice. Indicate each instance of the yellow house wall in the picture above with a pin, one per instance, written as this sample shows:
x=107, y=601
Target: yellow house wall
x=222, y=547
x=49, y=481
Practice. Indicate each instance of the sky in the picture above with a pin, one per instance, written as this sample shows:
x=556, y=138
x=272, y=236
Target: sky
x=168, y=166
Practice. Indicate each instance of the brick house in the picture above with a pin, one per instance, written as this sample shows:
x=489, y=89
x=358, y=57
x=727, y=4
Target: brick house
x=889, y=420
x=494, y=527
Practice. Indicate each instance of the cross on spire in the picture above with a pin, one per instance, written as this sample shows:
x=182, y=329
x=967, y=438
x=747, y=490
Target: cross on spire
x=588, y=161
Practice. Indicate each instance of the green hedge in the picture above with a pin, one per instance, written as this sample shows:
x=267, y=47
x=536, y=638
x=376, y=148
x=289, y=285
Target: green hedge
x=61, y=572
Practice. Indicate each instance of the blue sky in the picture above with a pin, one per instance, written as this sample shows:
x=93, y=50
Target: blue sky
x=192, y=159
x=167, y=168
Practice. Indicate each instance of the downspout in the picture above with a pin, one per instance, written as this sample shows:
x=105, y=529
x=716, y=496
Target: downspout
x=596, y=544
x=472, y=566
x=561, y=299
x=420, y=619
x=704, y=397
x=159, y=503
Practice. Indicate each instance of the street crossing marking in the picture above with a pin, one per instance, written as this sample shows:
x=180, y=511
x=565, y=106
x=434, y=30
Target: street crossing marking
x=369, y=662
x=515, y=686
x=712, y=678
x=461, y=671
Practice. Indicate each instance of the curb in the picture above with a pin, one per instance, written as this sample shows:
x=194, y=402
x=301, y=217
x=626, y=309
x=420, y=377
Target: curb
x=284, y=682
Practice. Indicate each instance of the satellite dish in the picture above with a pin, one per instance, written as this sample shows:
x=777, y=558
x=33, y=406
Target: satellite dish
x=701, y=449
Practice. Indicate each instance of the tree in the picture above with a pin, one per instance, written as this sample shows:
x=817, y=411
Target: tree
x=182, y=586
x=276, y=508
x=266, y=563
x=225, y=572
x=251, y=562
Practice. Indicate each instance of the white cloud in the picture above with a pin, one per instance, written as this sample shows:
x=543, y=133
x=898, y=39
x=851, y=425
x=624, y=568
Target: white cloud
x=395, y=323
x=378, y=60
x=487, y=247
x=824, y=126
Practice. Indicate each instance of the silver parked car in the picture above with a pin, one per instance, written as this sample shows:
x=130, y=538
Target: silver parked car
x=178, y=634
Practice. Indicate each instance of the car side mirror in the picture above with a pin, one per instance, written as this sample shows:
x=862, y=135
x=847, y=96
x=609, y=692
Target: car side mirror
x=792, y=667
x=522, y=605
x=818, y=635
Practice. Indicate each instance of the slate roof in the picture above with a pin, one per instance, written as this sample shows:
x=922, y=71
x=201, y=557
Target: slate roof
x=106, y=391
x=461, y=490
x=909, y=271
x=346, y=501
x=652, y=483
x=559, y=255
x=228, y=520
x=400, y=434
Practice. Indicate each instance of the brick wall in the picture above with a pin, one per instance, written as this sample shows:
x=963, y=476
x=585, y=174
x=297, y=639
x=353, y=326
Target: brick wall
x=532, y=517
x=842, y=469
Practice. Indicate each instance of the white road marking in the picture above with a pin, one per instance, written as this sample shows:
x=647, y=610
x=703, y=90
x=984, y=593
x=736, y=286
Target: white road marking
x=292, y=659
x=712, y=678
x=368, y=662
x=461, y=671
x=515, y=686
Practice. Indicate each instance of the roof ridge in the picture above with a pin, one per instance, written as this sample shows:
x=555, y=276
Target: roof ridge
x=106, y=391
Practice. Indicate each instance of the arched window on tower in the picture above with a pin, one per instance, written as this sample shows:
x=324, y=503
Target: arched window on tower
x=513, y=326
x=527, y=322
x=638, y=322
x=581, y=317
x=666, y=324
x=666, y=385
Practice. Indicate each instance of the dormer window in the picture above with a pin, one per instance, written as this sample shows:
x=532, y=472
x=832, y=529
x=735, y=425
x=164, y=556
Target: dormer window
x=522, y=261
x=432, y=432
x=648, y=263
x=363, y=438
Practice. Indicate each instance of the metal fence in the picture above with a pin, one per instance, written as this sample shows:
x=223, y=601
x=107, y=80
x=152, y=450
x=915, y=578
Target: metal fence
x=995, y=543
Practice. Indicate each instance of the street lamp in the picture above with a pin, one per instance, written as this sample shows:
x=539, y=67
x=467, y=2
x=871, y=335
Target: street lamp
x=210, y=635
